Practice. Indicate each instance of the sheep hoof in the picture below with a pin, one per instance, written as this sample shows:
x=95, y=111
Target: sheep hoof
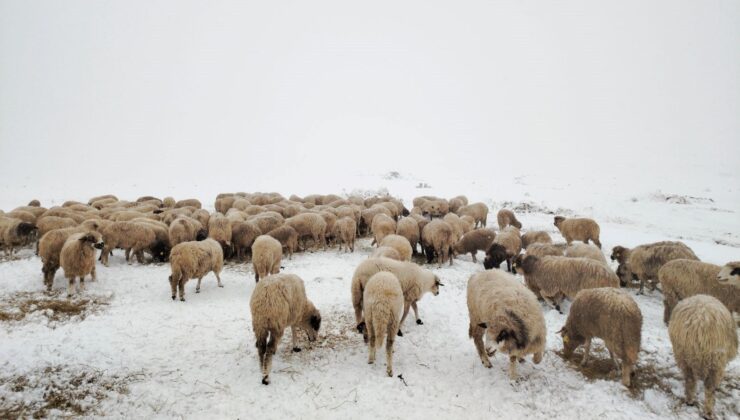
x=400, y=333
x=182, y=299
x=296, y=349
x=419, y=322
x=265, y=381
x=197, y=290
x=521, y=360
x=691, y=403
x=173, y=298
x=390, y=373
x=361, y=327
x=487, y=365
x=221, y=285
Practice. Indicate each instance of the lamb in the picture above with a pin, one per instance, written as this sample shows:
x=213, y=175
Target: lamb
x=288, y=238
x=219, y=229
x=131, y=237
x=191, y=202
x=408, y=227
x=77, y=258
x=415, y=282
x=542, y=250
x=382, y=226
x=685, y=278
x=478, y=211
x=309, y=225
x=611, y=315
x=186, y=229
x=386, y=252
x=194, y=259
x=507, y=217
x=730, y=274
x=267, y=253
x=506, y=246
x=554, y=278
x=243, y=235
x=508, y=314
x=15, y=232
x=585, y=251
x=474, y=241
x=704, y=341
x=345, y=231
x=279, y=302
x=579, y=229
x=383, y=301
x=437, y=239
x=535, y=236
x=400, y=244
x=643, y=262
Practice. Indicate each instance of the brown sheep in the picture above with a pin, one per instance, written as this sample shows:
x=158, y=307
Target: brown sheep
x=186, y=229
x=478, y=211
x=219, y=229
x=437, y=239
x=542, y=250
x=507, y=217
x=579, y=229
x=474, y=241
x=77, y=258
x=309, y=225
x=288, y=238
x=243, y=235
x=643, y=262
x=191, y=202
x=15, y=232
x=535, y=236
x=408, y=227
x=267, y=252
x=345, y=232
x=130, y=236
x=195, y=259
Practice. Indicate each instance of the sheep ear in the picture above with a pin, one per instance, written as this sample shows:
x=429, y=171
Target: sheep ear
x=735, y=271
x=483, y=325
x=315, y=322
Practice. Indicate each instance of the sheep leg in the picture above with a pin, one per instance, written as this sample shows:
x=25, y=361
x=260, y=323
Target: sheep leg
x=689, y=386
x=710, y=383
x=586, y=351
x=294, y=339
x=92, y=273
x=197, y=287
x=371, y=342
x=70, y=287
x=626, y=374
x=389, y=350
x=473, y=255
x=218, y=279
x=508, y=264
x=81, y=287
x=512, y=367
x=139, y=255
x=173, y=286
x=477, y=333
x=181, y=287
x=128, y=254
x=406, y=306
x=596, y=242
x=271, y=349
x=416, y=313
x=104, y=255
x=642, y=285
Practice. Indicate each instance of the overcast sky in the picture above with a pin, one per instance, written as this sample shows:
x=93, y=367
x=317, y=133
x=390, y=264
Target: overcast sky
x=139, y=89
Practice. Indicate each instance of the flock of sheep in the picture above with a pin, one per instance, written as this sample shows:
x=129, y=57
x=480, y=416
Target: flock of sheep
x=505, y=314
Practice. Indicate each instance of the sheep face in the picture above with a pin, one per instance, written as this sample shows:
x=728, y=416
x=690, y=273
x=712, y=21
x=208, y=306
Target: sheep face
x=618, y=253
x=495, y=256
x=160, y=251
x=201, y=235
x=570, y=341
x=558, y=221
x=516, y=264
x=405, y=212
x=730, y=274
x=311, y=323
x=25, y=229
x=94, y=240
x=508, y=332
x=437, y=284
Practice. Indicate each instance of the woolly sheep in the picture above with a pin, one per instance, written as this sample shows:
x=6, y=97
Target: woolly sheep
x=704, y=340
x=270, y=220
x=278, y=302
x=77, y=258
x=507, y=217
x=309, y=225
x=685, y=278
x=478, y=211
x=400, y=244
x=49, y=223
x=508, y=314
x=474, y=241
x=191, y=202
x=535, y=236
x=539, y=249
x=382, y=226
x=161, y=232
x=579, y=229
x=34, y=203
x=243, y=235
x=408, y=227
x=130, y=236
x=185, y=229
x=194, y=259
x=730, y=274
x=415, y=282
x=555, y=278
x=611, y=315
x=455, y=204
x=288, y=238
x=219, y=229
x=643, y=262
x=589, y=251
x=457, y=225
x=102, y=197
x=15, y=232
x=331, y=220
x=23, y=216
x=267, y=253
x=383, y=305
x=506, y=246
x=345, y=231
x=386, y=252
x=50, y=248
x=437, y=239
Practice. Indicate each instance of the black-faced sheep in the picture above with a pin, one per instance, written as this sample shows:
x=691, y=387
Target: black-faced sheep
x=579, y=229
x=194, y=259
x=506, y=246
x=644, y=261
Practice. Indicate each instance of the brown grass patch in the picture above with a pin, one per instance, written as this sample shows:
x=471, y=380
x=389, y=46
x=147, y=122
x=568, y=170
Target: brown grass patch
x=18, y=306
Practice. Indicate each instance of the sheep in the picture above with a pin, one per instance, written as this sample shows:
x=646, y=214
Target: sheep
x=467, y=223
x=386, y=252
x=400, y=244
x=102, y=197
x=243, y=235
x=268, y=221
x=685, y=278
x=186, y=229
x=50, y=248
x=191, y=202
x=508, y=314
x=309, y=225
x=478, y=211
x=535, y=236
x=23, y=216
x=457, y=225
x=219, y=229
x=49, y=223
x=611, y=315
x=408, y=227
x=279, y=302
x=585, y=251
x=542, y=250
x=432, y=206
x=345, y=231
x=507, y=217
x=383, y=305
x=579, y=229
x=730, y=274
x=35, y=211
x=288, y=238
x=455, y=204
x=34, y=203
x=474, y=241
x=77, y=258
x=161, y=232
x=131, y=237
x=169, y=202
x=415, y=282
x=644, y=261
x=331, y=220
x=382, y=226
x=267, y=253
x=554, y=278
x=15, y=232
x=506, y=245
x=194, y=259
x=437, y=239
x=704, y=341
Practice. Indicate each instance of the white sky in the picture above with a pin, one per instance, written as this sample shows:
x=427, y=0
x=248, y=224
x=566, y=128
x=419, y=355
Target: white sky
x=138, y=89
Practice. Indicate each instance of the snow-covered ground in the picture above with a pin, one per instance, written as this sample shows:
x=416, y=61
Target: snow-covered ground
x=135, y=353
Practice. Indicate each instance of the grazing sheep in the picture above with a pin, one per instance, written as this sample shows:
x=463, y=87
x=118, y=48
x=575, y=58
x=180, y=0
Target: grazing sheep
x=219, y=229
x=408, y=227
x=161, y=232
x=611, y=315
x=279, y=302
x=437, y=239
x=478, y=211
x=243, y=235
x=49, y=223
x=309, y=225
x=644, y=261
x=132, y=237
x=506, y=246
x=535, y=236
x=507, y=217
x=77, y=258
x=15, y=232
x=474, y=241
x=386, y=252
x=288, y=238
x=383, y=305
x=585, y=251
x=267, y=252
x=685, y=278
x=508, y=314
x=330, y=219
x=50, y=248
x=730, y=274
x=186, y=229
x=555, y=278
x=191, y=202
x=194, y=259
x=704, y=341
x=455, y=204
x=400, y=244
x=268, y=220
x=415, y=282
x=382, y=226
x=367, y=216
x=579, y=229
x=539, y=249
x=457, y=225
x=23, y=216
x=345, y=231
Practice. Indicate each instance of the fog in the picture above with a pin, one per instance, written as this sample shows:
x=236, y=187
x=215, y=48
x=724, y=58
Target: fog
x=106, y=93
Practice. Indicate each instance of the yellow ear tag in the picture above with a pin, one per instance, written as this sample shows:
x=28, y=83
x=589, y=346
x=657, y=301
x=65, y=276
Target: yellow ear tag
x=565, y=339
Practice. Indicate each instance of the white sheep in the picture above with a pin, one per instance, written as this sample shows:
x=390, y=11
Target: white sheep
x=383, y=306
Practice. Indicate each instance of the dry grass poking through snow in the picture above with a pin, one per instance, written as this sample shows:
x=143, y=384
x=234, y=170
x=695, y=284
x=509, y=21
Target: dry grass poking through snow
x=55, y=307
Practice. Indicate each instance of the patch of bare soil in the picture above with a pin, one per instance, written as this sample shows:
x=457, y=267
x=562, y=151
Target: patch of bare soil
x=56, y=307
